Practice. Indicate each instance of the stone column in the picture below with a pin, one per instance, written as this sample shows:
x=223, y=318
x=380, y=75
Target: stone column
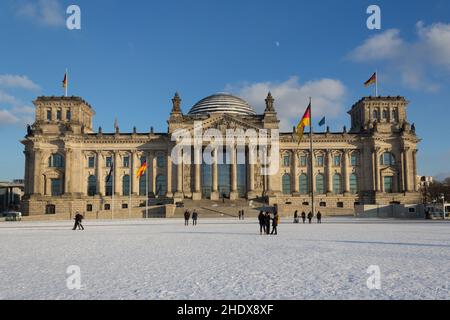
x=27, y=173
x=346, y=172
x=169, y=193
x=329, y=172
x=376, y=171
x=406, y=169
x=215, y=176
x=117, y=181
x=234, y=189
x=37, y=172
x=295, y=172
x=197, y=195
x=152, y=172
x=251, y=168
x=180, y=172
x=100, y=175
x=402, y=186
x=135, y=165
x=67, y=171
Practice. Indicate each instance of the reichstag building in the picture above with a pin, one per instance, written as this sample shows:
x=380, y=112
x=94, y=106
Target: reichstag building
x=70, y=166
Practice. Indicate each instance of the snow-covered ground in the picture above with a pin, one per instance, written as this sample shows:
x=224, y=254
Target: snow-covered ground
x=225, y=259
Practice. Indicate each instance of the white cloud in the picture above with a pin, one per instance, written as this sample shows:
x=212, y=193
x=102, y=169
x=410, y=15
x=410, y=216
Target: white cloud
x=418, y=64
x=7, y=117
x=387, y=45
x=292, y=98
x=44, y=12
x=16, y=81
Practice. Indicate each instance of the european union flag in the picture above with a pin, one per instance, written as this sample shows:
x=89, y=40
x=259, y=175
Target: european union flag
x=322, y=122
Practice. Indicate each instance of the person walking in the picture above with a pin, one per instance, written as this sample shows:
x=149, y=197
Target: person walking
x=275, y=221
x=194, y=218
x=187, y=215
x=296, y=216
x=78, y=220
x=319, y=217
x=304, y=217
x=310, y=216
x=262, y=224
x=267, y=222
x=242, y=214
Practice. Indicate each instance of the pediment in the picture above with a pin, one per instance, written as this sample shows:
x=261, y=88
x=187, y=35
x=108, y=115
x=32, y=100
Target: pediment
x=389, y=171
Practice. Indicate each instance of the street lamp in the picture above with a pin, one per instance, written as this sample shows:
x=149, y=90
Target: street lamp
x=442, y=197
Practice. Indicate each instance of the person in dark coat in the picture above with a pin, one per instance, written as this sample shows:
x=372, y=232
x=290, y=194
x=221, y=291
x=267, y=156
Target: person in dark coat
x=296, y=216
x=262, y=224
x=242, y=214
x=310, y=216
x=304, y=217
x=275, y=221
x=319, y=217
x=78, y=220
x=267, y=221
x=194, y=218
x=187, y=215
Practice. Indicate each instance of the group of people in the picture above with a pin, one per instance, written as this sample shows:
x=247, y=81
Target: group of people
x=187, y=216
x=264, y=219
x=310, y=216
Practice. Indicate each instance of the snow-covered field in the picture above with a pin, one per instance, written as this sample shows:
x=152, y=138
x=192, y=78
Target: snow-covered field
x=225, y=259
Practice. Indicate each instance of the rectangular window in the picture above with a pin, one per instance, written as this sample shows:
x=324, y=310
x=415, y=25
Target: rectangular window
x=337, y=161
x=108, y=162
x=388, y=184
x=126, y=162
x=124, y=205
x=89, y=208
x=49, y=115
x=91, y=162
x=58, y=115
x=107, y=207
x=303, y=161
x=354, y=160
x=68, y=115
x=56, y=187
x=323, y=204
x=340, y=204
x=319, y=161
x=286, y=161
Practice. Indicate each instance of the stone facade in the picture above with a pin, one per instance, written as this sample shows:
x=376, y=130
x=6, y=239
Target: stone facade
x=67, y=164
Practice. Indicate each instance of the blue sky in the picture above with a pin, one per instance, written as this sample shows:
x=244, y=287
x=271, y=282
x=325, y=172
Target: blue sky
x=130, y=57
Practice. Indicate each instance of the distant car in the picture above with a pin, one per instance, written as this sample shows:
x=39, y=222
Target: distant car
x=12, y=216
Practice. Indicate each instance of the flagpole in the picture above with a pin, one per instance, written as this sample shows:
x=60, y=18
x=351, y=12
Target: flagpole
x=67, y=81
x=129, y=192
x=146, y=186
x=113, y=189
x=311, y=156
x=376, y=83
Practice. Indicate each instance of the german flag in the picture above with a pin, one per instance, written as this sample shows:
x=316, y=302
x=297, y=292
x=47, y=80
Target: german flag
x=306, y=121
x=64, y=82
x=142, y=169
x=372, y=80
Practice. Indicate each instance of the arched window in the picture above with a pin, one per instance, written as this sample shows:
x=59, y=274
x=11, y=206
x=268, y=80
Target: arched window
x=56, y=161
x=337, y=184
x=353, y=183
x=304, y=184
x=126, y=185
x=109, y=185
x=385, y=114
x=92, y=186
x=320, y=184
x=161, y=185
x=387, y=159
x=286, y=184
